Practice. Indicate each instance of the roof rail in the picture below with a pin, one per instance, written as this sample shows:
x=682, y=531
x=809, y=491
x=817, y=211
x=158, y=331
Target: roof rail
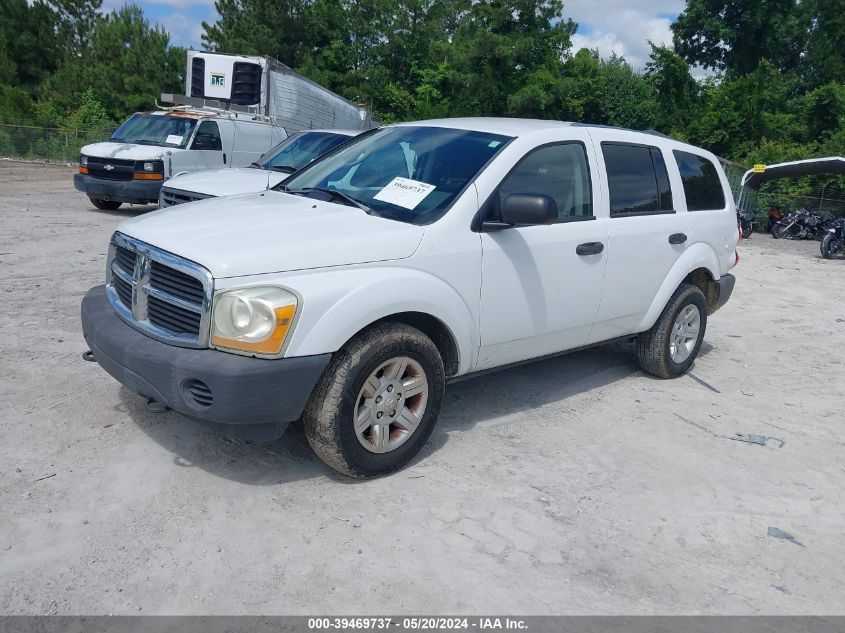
x=196, y=105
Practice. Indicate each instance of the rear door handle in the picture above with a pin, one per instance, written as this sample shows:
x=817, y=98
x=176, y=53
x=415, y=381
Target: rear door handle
x=677, y=238
x=589, y=248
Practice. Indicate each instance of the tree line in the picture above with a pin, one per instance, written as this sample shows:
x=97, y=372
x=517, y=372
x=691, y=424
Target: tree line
x=773, y=91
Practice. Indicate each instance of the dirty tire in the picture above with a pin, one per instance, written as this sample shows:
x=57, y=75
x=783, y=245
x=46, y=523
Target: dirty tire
x=830, y=246
x=653, y=347
x=105, y=205
x=329, y=415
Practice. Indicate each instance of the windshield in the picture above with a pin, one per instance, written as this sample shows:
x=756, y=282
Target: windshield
x=148, y=129
x=406, y=173
x=297, y=151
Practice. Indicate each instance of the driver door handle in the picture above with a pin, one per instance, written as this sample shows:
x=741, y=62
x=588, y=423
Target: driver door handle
x=589, y=248
x=677, y=238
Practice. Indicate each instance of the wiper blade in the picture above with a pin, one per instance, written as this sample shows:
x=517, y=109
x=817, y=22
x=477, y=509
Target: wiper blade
x=146, y=141
x=334, y=193
x=285, y=169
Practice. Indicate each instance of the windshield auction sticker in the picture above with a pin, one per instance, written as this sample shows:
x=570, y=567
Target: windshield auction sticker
x=173, y=139
x=404, y=192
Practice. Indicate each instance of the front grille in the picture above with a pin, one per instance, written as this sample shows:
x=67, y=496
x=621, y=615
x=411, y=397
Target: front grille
x=173, y=318
x=172, y=197
x=125, y=258
x=124, y=291
x=110, y=168
x=176, y=283
x=158, y=293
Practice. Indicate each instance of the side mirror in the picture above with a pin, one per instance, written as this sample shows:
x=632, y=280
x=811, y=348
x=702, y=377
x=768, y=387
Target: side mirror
x=524, y=209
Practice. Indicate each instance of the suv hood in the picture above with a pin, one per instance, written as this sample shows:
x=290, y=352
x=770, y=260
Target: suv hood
x=273, y=232
x=226, y=182
x=124, y=151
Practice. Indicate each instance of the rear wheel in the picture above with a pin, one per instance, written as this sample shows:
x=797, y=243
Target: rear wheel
x=747, y=230
x=377, y=401
x=831, y=246
x=669, y=348
x=105, y=205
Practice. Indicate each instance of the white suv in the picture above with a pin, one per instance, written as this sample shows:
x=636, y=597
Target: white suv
x=413, y=255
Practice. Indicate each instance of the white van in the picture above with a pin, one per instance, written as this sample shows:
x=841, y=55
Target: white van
x=350, y=294
x=151, y=147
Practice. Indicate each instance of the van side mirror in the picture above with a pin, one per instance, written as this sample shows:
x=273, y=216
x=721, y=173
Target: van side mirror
x=523, y=209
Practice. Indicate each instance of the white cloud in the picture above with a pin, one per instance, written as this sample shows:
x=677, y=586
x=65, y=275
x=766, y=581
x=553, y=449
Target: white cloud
x=615, y=26
x=185, y=30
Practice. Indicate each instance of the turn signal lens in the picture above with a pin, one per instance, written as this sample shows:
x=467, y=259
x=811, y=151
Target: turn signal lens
x=83, y=170
x=140, y=175
x=255, y=320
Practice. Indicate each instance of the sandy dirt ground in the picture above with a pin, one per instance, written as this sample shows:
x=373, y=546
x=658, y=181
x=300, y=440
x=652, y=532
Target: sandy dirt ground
x=577, y=485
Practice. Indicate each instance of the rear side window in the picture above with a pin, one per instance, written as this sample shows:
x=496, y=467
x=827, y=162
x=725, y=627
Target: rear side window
x=637, y=180
x=702, y=187
x=559, y=171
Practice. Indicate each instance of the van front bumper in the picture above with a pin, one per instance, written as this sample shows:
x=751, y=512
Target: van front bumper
x=249, y=397
x=130, y=191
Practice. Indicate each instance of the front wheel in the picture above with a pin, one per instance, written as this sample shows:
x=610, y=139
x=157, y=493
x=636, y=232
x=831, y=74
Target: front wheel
x=747, y=230
x=830, y=246
x=105, y=205
x=669, y=348
x=778, y=231
x=377, y=401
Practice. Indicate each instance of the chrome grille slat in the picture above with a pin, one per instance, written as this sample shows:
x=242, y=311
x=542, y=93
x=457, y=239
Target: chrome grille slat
x=178, y=284
x=125, y=259
x=160, y=294
x=172, y=197
x=173, y=317
x=124, y=291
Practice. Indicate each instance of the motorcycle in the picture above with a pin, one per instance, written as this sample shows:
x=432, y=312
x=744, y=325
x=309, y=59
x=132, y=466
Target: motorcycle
x=775, y=216
x=745, y=221
x=803, y=225
x=833, y=243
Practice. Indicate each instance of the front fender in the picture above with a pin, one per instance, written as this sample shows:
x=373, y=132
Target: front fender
x=696, y=256
x=336, y=304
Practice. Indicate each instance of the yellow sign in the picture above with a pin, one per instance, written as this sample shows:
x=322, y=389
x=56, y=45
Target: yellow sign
x=759, y=169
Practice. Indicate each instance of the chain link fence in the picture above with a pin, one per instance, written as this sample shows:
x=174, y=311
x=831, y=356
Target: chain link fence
x=53, y=145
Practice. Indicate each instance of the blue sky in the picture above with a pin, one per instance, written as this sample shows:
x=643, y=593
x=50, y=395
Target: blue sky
x=619, y=26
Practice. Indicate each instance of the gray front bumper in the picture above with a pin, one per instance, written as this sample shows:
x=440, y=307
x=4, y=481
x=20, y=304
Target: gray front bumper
x=244, y=390
x=131, y=191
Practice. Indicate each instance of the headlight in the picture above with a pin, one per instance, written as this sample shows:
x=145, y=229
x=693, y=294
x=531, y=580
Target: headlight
x=83, y=160
x=149, y=170
x=255, y=320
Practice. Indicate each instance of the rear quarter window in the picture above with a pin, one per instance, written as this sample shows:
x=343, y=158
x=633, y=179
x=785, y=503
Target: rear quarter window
x=702, y=186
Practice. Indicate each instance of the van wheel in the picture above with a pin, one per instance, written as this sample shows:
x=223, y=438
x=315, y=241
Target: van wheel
x=669, y=348
x=377, y=401
x=105, y=205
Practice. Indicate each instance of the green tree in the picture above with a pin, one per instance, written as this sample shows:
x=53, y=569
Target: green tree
x=628, y=100
x=824, y=60
x=676, y=90
x=127, y=65
x=259, y=27
x=735, y=35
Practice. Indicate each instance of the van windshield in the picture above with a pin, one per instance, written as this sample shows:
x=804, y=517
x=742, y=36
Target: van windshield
x=296, y=151
x=155, y=129
x=406, y=173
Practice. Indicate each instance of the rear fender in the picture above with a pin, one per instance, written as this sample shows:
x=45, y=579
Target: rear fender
x=695, y=256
